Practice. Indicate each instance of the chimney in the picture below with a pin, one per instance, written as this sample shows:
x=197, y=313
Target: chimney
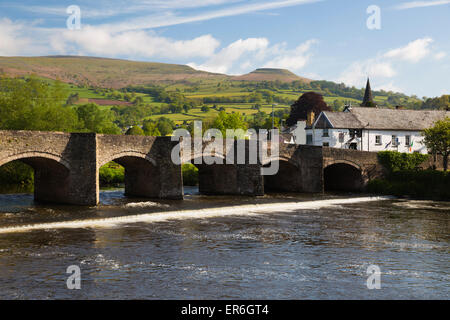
x=311, y=119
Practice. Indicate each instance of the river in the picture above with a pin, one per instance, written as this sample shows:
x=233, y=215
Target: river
x=273, y=247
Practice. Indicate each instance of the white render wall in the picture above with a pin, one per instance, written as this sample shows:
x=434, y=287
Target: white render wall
x=367, y=142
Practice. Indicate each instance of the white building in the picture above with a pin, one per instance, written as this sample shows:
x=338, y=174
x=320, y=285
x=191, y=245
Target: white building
x=373, y=129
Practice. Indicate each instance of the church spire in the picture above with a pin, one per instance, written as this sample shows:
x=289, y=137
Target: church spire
x=368, y=98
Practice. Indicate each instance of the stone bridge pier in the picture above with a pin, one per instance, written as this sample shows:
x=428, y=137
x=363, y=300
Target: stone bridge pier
x=236, y=170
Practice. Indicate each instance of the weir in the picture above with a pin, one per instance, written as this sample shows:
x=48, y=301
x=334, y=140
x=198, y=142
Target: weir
x=67, y=165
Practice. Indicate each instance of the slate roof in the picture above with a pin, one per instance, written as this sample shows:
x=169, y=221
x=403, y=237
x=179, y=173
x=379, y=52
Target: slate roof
x=385, y=119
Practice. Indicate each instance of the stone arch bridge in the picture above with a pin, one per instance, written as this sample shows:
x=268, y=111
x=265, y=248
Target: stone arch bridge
x=67, y=166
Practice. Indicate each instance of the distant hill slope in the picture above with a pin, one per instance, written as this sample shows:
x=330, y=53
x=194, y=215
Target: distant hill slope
x=100, y=72
x=268, y=74
x=116, y=73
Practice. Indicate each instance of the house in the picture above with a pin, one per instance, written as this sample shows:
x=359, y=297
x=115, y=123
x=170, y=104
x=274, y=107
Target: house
x=373, y=129
x=367, y=127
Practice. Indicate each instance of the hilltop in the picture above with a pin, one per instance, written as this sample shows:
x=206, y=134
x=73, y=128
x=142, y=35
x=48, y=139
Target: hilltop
x=270, y=74
x=117, y=73
x=100, y=72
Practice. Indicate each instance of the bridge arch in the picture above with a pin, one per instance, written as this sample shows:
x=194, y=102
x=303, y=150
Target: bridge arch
x=129, y=154
x=288, y=177
x=35, y=154
x=51, y=174
x=343, y=175
x=142, y=173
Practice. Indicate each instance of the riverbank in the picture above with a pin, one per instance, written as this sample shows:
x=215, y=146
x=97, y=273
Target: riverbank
x=416, y=184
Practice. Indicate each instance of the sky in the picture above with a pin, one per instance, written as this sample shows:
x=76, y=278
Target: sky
x=403, y=46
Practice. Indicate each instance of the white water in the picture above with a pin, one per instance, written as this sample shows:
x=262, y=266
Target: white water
x=243, y=210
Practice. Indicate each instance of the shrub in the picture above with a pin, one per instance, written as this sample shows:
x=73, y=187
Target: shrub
x=190, y=174
x=429, y=184
x=395, y=161
x=111, y=173
x=16, y=173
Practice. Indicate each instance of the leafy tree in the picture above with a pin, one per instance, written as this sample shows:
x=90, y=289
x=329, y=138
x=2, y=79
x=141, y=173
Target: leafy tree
x=309, y=101
x=93, y=119
x=72, y=99
x=138, y=100
x=150, y=128
x=135, y=131
x=205, y=109
x=33, y=104
x=225, y=121
x=165, y=126
x=437, y=139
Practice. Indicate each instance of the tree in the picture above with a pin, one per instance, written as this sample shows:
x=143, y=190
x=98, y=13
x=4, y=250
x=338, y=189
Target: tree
x=35, y=104
x=225, y=121
x=165, y=126
x=205, y=109
x=150, y=128
x=437, y=139
x=308, y=102
x=93, y=119
x=135, y=131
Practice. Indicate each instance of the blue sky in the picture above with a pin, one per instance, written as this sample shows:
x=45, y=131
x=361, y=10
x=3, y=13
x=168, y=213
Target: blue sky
x=319, y=39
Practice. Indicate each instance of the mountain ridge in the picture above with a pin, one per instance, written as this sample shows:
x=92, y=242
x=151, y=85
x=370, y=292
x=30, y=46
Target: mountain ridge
x=119, y=73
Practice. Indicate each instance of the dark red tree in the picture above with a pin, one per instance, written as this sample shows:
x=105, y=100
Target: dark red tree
x=309, y=101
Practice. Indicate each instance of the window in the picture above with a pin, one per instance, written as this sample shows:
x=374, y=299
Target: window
x=407, y=140
x=325, y=133
x=394, y=141
x=309, y=139
x=378, y=140
x=355, y=132
x=341, y=137
x=326, y=144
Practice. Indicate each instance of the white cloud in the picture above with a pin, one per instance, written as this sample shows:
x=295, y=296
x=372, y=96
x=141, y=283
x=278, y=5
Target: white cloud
x=245, y=55
x=293, y=60
x=168, y=18
x=413, y=51
x=388, y=86
x=225, y=59
x=104, y=9
x=136, y=44
x=440, y=55
x=357, y=72
x=421, y=4
x=12, y=41
x=383, y=67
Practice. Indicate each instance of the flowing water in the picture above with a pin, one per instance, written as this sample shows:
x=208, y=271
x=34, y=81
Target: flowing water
x=271, y=247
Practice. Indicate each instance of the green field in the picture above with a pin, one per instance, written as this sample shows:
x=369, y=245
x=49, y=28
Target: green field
x=111, y=79
x=209, y=89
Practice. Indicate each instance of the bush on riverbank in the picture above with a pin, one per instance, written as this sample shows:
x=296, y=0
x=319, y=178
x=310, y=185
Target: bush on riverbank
x=16, y=174
x=429, y=184
x=395, y=161
x=111, y=174
x=190, y=174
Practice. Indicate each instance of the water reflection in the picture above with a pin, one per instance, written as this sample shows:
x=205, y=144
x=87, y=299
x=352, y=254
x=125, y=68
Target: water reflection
x=306, y=253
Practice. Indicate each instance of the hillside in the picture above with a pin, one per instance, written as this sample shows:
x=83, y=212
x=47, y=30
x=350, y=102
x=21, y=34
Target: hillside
x=100, y=72
x=116, y=73
x=268, y=74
